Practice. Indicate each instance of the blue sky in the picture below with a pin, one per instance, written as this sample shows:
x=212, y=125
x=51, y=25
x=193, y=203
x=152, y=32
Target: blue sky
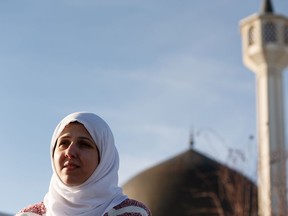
x=154, y=70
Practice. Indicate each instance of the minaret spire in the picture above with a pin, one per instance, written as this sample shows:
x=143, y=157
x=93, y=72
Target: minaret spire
x=267, y=7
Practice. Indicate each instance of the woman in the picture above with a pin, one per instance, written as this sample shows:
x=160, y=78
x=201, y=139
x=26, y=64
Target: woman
x=85, y=164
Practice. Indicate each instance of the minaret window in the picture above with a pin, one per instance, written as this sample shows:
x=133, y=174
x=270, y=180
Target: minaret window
x=270, y=33
x=251, y=36
x=286, y=35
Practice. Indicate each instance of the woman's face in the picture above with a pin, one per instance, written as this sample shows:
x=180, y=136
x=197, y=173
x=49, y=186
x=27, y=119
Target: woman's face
x=76, y=155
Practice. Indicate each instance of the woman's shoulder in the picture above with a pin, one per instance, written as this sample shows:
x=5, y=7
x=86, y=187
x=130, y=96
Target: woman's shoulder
x=38, y=208
x=130, y=207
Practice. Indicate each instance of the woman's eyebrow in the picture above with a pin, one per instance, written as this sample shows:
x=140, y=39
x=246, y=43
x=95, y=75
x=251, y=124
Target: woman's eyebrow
x=85, y=138
x=67, y=136
x=63, y=137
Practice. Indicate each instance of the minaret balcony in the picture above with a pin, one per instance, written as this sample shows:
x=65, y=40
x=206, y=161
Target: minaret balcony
x=265, y=41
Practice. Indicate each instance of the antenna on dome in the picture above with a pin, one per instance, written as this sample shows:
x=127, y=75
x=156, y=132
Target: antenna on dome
x=191, y=139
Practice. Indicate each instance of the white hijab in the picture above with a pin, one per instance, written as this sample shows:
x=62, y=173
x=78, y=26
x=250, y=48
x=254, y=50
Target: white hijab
x=100, y=192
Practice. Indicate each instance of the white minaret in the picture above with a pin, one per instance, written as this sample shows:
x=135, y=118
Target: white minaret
x=265, y=52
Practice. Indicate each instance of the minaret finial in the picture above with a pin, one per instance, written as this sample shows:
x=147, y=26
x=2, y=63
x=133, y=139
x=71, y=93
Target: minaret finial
x=267, y=7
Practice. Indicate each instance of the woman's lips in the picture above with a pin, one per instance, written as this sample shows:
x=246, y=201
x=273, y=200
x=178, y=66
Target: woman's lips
x=70, y=166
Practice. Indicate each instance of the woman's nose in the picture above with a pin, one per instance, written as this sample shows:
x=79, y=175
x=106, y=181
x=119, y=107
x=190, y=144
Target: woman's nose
x=71, y=151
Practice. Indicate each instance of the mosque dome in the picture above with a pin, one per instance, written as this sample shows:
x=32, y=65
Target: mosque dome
x=193, y=184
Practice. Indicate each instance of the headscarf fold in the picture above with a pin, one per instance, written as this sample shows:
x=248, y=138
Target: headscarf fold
x=100, y=192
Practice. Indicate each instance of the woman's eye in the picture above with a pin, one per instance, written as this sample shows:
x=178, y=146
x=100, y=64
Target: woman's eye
x=85, y=145
x=63, y=143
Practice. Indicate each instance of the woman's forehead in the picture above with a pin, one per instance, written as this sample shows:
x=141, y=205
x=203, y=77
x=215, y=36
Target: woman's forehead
x=75, y=128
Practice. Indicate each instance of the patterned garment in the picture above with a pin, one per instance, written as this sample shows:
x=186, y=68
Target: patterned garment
x=128, y=207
